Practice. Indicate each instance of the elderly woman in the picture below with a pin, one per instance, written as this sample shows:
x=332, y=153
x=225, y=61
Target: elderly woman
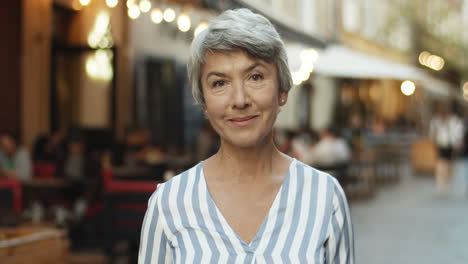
x=248, y=203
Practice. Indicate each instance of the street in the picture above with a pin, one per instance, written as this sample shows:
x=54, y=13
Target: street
x=410, y=223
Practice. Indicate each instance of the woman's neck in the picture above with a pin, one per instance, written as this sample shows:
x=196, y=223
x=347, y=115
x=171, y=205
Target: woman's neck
x=241, y=165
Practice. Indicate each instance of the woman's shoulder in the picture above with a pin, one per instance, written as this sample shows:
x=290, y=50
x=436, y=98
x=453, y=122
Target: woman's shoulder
x=325, y=188
x=177, y=181
x=315, y=176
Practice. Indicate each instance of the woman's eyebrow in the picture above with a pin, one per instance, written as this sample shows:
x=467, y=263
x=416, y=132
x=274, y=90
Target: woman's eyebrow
x=255, y=65
x=214, y=73
x=251, y=67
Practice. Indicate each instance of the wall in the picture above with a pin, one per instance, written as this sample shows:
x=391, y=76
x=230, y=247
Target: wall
x=35, y=65
x=378, y=24
x=95, y=98
x=323, y=102
x=163, y=39
x=10, y=51
x=287, y=118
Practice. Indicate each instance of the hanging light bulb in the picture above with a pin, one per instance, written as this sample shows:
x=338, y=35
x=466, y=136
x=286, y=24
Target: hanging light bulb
x=169, y=15
x=133, y=12
x=183, y=22
x=202, y=26
x=407, y=88
x=112, y=3
x=85, y=2
x=130, y=3
x=156, y=15
x=145, y=6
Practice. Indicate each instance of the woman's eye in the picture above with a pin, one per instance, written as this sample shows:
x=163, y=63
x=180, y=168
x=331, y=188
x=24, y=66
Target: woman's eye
x=256, y=77
x=218, y=83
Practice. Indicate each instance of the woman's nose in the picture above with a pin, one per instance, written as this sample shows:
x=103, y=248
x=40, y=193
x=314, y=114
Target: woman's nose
x=241, y=98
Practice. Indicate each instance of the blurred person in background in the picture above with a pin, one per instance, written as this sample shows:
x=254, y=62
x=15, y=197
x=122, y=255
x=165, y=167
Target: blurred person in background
x=331, y=150
x=138, y=157
x=353, y=132
x=285, y=141
x=74, y=164
x=446, y=130
x=138, y=149
x=15, y=161
x=50, y=148
x=248, y=202
x=465, y=155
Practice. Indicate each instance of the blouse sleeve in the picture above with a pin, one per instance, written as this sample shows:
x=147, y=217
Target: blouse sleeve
x=154, y=245
x=340, y=246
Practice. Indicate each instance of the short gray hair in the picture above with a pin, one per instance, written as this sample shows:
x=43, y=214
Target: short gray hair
x=238, y=29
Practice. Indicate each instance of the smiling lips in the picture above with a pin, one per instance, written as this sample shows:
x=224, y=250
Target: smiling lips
x=242, y=121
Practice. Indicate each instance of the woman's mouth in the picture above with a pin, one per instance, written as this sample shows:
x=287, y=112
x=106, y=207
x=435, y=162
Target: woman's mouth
x=243, y=120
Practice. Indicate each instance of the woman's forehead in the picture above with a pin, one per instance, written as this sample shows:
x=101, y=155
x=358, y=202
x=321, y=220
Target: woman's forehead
x=230, y=59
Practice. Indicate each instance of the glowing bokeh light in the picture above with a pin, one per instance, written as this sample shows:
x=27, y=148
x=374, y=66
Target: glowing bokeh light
x=85, y=2
x=112, y=3
x=169, y=15
x=156, y=16
x=408, y=88
x=202, y=26
x=309, y=55
x=133, y=12
x=183, y=22
x=431, y=61
x=99, y=65
x=145, y=6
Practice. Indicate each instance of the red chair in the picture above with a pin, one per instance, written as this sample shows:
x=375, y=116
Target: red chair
x=16, y=192
x=124, y=207
x=44, y=170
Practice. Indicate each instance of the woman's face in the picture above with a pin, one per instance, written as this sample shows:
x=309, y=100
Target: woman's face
x=242, y=97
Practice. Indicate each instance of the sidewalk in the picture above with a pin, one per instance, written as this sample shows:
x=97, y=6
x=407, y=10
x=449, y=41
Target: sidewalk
x=410, y=223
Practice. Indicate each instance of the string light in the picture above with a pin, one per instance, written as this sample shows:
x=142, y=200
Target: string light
x=99, y=65
x=169, y=15
x=156, y=15
x=85, y=2
x=112, y=3
x=133, y=12
x=431, y=61
x=202, y=26
x=408, y=88
x=183, y=22
x=145, y=6
x=309, y=55
x=97, y=37
x=297, y=77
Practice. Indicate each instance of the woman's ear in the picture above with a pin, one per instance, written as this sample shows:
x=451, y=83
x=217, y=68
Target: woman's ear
x=283, y=98
x=205, y=112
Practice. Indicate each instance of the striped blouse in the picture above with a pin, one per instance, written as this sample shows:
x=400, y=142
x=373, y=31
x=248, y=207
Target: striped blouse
x=308, y=222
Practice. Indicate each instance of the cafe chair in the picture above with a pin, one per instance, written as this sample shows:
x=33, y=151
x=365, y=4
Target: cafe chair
x=11, y=190
x=124, y=207
x=44, y=170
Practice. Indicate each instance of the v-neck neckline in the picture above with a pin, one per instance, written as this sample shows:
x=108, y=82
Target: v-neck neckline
x=271, y=211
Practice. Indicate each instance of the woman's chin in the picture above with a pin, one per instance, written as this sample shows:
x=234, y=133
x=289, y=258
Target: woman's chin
x=248, y=142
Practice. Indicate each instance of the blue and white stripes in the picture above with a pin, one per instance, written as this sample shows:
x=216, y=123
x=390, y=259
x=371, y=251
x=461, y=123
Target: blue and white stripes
x=308, y=223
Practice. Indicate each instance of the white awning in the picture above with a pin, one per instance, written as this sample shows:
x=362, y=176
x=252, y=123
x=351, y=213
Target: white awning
x=340, y=61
